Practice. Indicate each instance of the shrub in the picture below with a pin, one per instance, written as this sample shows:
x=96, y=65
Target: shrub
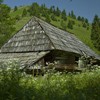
x=53, y=17
x=15, y=85
x=70, y=24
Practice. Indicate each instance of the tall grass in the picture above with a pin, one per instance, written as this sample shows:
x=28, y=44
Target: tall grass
x=15, y=85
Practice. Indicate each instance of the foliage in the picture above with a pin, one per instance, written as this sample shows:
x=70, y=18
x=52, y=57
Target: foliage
x=15, y=85
x=63, y=14
x=17, y=17
x=15, y=8
x=53, y=17
x=70, y=24
x=6, y=23
x=52, y=9
x=79, y=18
x=47, y=19
x=95, y=32
x=86, y=20
x=10, y=77
x=1, y=1
x=84, y=25
x=34, y=10
x=57, y=12
x=64, y=26
x=72, y=15
x=43, y=10
x=24, y=13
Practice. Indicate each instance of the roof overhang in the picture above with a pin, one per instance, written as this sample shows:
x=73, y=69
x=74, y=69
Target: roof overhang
x=24, y=59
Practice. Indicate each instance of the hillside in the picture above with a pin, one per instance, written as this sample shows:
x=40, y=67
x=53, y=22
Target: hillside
x=78, y=28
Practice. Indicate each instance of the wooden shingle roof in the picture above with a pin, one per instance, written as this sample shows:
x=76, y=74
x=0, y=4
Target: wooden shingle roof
x=37, y=35
x=24, y=59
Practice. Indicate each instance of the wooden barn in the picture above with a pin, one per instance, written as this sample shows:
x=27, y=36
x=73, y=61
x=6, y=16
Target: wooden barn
x=39, y=42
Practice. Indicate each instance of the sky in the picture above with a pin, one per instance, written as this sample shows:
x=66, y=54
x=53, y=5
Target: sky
x=84, y=8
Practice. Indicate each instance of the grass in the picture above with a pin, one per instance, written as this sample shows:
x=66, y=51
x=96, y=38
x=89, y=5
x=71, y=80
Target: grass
x=18, y=12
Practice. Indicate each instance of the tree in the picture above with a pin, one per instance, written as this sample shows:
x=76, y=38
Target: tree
x=82, y=19
x=69, y=14
x=6, y=23
x=63, y=25
x=84, y=25
x=63, y=15
x=24, y=13
x=95, y=32
x=1, y=1
x=72, y=15
x=15, y=8
x=86, y=20
x=79, y=18
x=52, y=9
x=17, y=17
x=57, y=12
x=48, y=19
x=44, y=11
x=53, y=17
x=70, y=24
x=34, y=10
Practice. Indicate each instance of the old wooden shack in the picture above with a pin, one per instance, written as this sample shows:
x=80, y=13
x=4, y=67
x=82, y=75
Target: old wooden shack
x=39, y=42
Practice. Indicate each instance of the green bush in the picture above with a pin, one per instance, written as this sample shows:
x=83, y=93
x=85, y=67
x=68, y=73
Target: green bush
x=15, y=85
